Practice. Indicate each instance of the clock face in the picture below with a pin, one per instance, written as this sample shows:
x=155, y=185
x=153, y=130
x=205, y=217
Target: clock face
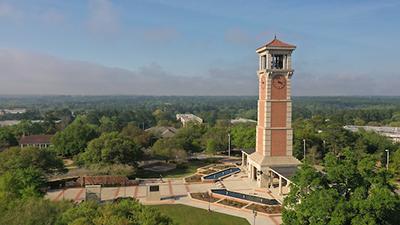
x=279, y=81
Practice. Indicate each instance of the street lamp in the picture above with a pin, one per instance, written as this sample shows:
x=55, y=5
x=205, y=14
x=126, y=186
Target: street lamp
x=304, y=150
x=387, y=159
x=255, y=214
x=229, y=144
x=125, y=189
x=209, y=203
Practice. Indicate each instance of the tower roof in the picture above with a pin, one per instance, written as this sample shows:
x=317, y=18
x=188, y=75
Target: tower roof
x=276, y=44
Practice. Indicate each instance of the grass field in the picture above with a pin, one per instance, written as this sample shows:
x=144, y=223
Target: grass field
x=186, y=215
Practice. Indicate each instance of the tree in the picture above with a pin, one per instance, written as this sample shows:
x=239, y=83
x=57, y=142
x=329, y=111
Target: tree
x=244, y=136
x=7, y=138
x=109, y=124
x=211, y=146
x=168, y=148
x=123, y=212
x=164, y=117
x=42, y=159
x=112, y=148
x=189, y=138
x=350, y=191
x=218, y=135
x=21, y=183
x=26, y=127
x=31, y=211
x=395, y=163
x=139, y=136
x=73, y=139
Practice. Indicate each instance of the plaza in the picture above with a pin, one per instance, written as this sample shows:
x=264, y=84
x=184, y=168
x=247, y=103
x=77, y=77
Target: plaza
x=176, y=191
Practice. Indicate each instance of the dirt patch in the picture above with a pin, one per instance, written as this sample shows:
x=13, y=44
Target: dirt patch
x=265, y=208
x=68, y=162
x=194, y=178
x=208, y=171
x=160, y=167
x=203, y=196
x=232, y=203
x=222, y=167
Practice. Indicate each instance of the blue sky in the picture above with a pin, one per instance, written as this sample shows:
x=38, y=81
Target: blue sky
x=193, y=47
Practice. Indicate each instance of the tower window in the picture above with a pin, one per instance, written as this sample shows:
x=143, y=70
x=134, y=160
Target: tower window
x=263, y=62
x=277, y=62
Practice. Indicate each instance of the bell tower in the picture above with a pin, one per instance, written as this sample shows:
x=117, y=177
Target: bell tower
x=274, y=137
x=274, y=128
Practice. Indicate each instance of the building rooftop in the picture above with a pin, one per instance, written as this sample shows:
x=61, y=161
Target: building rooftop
x=162, y=131
x=278, y=161
x=35, y=139
x=249, y=150
x=276, y=43
x=285, y=171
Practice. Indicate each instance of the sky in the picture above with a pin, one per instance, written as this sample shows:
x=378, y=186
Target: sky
x=191, y=47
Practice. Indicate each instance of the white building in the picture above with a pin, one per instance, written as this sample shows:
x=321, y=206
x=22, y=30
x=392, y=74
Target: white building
x=391, y=132
x=6, y=123
x=188, y=118
x=242, y=120
x=13, y=111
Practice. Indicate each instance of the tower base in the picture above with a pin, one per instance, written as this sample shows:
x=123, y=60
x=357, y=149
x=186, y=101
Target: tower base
x=259, y=167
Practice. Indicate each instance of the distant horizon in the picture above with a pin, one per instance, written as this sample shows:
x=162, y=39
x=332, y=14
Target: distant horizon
x=157, y=47
x=77, y=95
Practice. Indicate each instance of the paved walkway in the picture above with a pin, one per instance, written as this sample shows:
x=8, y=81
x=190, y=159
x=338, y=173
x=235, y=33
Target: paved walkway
x=175, y=191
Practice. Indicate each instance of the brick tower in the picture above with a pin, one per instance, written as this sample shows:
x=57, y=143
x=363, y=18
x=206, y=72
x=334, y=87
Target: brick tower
x=274, y=128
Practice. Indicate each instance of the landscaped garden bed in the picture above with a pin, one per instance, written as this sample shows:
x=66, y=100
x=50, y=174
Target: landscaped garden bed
x=222, y=167
x=203, y=196
x=232, y=203
x=265, y=208
x=208, y=171
x=194, y=178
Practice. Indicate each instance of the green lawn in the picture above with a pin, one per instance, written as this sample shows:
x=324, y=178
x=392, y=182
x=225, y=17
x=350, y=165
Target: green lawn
x=186, y=215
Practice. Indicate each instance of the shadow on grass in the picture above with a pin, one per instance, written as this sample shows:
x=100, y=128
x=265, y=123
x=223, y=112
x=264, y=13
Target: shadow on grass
x=180, y=171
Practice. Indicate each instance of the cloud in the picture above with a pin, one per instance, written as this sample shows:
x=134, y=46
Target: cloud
x=340, y=84
x=102, y=17
x=33, y=73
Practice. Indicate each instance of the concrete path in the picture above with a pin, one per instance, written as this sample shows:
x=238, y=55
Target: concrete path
x=175, y=191
x=260, y=219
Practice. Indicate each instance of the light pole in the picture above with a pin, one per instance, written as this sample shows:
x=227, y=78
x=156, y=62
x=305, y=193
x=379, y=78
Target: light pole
x=254, y=219
x=304, y=150
x=387, y=159
x=209, y=202
x=229, y=144
x=125, y=189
